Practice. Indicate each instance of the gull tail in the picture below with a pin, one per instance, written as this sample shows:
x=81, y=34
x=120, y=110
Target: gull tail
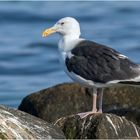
x=134, y=81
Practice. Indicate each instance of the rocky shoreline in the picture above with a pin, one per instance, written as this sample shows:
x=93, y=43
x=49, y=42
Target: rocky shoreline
x=51, y=114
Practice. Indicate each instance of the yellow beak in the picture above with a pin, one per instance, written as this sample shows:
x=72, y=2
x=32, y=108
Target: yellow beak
x=48, y=32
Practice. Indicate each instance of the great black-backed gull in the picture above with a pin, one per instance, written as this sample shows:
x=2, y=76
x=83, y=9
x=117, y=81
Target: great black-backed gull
x=92, y=64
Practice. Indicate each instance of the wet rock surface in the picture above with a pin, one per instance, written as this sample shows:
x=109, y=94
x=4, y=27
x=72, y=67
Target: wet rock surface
x=15, y=124
x=69, y=98
x=98, y=126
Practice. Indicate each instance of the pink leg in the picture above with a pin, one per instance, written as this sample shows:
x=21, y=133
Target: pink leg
x=94, y=109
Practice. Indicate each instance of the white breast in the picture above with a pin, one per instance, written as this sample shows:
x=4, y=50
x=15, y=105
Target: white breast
x=66, y=44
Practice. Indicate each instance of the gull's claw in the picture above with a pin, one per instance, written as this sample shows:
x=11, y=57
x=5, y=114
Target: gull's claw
x=85, y=114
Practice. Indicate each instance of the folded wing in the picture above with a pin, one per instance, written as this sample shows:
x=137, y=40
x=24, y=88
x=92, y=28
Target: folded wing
x=101, y=64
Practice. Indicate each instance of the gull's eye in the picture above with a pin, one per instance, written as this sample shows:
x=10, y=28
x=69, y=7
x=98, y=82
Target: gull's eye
x=62, y=23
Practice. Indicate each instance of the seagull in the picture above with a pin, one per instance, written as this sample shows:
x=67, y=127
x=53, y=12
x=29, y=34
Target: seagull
x=92, y=64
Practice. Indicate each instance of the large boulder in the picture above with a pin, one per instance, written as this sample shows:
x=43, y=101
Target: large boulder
x=69, y=98
x=98, y=126
x=15, y=124
x=58, y=101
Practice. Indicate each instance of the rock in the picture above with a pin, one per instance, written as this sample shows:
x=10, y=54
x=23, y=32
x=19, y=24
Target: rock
x=98, y=126
x=129, y=113
x=69, y=98
x=61, y=100
x=122, y=97
x=15, y=124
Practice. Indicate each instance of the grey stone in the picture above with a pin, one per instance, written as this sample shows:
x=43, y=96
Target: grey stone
x=15, y=124
x=98, y=126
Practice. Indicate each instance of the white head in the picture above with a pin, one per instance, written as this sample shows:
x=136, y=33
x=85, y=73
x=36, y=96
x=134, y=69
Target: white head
x=65, y=27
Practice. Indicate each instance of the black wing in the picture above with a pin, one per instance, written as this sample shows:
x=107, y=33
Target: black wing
x=99, y=63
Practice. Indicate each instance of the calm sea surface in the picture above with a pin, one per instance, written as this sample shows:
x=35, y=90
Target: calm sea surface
x=29, y=63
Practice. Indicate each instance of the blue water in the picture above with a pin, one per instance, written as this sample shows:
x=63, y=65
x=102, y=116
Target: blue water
x=29, y=63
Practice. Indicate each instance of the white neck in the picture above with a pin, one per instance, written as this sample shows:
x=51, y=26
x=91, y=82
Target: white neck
x=67, y=42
